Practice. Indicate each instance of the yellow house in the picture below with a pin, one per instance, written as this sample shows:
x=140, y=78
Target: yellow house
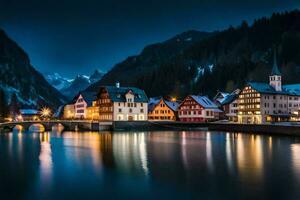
x=160, y=109
x=93, y=111
x=69, y=111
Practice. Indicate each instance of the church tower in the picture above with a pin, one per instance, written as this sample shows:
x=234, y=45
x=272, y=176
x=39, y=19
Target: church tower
x=275, y=77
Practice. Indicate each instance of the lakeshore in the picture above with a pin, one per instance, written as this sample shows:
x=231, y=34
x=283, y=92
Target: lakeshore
x=287, y=129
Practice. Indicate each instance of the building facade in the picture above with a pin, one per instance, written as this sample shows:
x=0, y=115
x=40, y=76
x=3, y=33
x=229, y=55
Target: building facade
x=83, y=106
x=93, y=112
x=160, y=109
x=229, y=104
x=69, y=111
x=198, y=109
x=122, y=104
x=28, y=115
x=273, y=102
x=80, y=107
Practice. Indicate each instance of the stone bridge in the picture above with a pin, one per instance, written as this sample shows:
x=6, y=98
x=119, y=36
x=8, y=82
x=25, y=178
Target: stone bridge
x=68, y=125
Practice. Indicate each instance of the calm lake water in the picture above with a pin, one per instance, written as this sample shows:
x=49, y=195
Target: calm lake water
x=148, y=165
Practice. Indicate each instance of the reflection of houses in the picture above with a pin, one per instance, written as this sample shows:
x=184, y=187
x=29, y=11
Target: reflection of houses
x=122, y=103
x=130, y=153
x=106, y=149
x=160, y=109
x=28, y=115
x=262, y=102
x=229, y=104
x=198, y=109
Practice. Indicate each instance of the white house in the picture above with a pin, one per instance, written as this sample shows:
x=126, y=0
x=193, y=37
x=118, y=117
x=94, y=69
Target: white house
x=122, y=104
x=262, y=102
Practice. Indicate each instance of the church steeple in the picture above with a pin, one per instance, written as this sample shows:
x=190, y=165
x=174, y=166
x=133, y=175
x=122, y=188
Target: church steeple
x=275, y=77
x=275, y=70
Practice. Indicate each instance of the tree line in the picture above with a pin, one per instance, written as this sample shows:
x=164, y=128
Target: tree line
x=10, y=109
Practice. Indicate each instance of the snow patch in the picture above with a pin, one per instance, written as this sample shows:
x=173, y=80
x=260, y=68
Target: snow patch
x=200, y=72
x=8, y=90
x=189, y=39
x=211, y=67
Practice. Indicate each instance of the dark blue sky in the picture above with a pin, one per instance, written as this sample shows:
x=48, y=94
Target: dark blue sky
x=75, y=37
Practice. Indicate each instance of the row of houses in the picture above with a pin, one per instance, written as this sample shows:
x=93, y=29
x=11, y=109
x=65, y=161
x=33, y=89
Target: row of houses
x=115, y=103
x=255, y=103
x=111, y=103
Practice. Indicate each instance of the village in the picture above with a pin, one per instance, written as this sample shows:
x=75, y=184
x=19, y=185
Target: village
x=256, y=103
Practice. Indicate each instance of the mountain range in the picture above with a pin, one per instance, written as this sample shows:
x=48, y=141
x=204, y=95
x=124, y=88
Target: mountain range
x=19, y=77
x=71, y=87
x=193, y=62
x=150, y=59
x=201, y=63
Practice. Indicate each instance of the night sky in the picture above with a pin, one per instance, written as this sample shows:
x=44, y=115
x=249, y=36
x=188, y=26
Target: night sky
x=75, y=37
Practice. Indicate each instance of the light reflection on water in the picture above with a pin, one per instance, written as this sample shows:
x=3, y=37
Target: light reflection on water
x=45, y=157
x=211, y=165
x=295, y=148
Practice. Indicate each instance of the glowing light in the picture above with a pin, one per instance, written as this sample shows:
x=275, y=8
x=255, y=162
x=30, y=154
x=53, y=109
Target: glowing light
x=173, y=99
x=19, y=118
x=45, y=112
x=9, y=119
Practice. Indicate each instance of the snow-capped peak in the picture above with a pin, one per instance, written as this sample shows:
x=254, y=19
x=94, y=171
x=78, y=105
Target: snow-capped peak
x=69, y=87
x=57, y=81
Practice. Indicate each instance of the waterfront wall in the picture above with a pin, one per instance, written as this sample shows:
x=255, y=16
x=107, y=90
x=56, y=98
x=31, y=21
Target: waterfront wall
x=290, y=130
x=156, y=126
x=272, y=129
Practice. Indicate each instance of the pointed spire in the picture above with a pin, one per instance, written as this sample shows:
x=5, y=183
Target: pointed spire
x=275, y=70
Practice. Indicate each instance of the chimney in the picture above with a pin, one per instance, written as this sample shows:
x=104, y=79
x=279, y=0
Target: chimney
x=117, y=84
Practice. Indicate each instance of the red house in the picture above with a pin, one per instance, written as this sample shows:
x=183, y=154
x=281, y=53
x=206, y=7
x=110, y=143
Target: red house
x=198, y=109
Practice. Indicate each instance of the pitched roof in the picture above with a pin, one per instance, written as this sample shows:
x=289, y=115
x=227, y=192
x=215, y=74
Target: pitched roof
x=172, y=105
x=223, y=98
x=229, y=99
x=29, y=111
x=154, y=101
x=293, y=89
x=117, y=94
x=265, y=88
x=205, y=102
x=88, y=97
x=221, y=95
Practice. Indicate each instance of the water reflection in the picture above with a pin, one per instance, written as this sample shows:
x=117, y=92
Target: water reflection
x=45, y=158
x=295, y=149
x=82, y=148
x=250, y=158
x=175, y=164
x=229, y=152
x=130, y=153
x=209, y=155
